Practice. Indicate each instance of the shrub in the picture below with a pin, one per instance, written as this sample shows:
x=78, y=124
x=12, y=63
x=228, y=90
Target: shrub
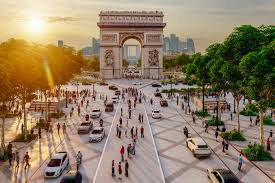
x=11, y=115
x=20, y=137
x=212, y=122
x=250, y=110
x=233, y=135
x=268, y=121
x=199, y=113
x=256, y=152
x=40, y=124
x=4, y=157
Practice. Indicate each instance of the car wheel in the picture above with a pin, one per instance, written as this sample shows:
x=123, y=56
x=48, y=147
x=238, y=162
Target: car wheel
x=194, y=154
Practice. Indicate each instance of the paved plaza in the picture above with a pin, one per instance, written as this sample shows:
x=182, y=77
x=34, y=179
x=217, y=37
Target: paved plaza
x=161, y=156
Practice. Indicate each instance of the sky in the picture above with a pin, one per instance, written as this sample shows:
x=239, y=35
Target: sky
x=74, y=21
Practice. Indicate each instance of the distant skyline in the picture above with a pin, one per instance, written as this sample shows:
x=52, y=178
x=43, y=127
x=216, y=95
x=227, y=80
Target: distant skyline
x=74, y=21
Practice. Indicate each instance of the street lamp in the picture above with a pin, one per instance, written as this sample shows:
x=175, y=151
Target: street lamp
x=171, y=93
x=66, y=98
x=234, y=107
x=217, y=116
x=188, y=96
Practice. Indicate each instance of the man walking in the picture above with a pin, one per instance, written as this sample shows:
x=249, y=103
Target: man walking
x=142, y=118
x=113, y=168
x=39, y=132
x=122, y=153
x=126, y=168
x=58, y=128
x=117, y=130
x=17, y=159
x=240, y=162
x=132, y=132
x=216, y=135
x=119, y=171
x=141, y=132
x=27, y=159
x=64, y=128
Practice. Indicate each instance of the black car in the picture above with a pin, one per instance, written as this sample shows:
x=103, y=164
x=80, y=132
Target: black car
x=222, y=175
x=163, y=103
x=72, y=176
x=117, y=92
x=157, y=94
x=154, y=84
x=112, y=87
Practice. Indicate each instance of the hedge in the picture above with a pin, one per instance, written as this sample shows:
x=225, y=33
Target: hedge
x=212, y=122
x=199, y=113
x=268, y=121
x=256, y=152
x=233, y=135
x=250, y=110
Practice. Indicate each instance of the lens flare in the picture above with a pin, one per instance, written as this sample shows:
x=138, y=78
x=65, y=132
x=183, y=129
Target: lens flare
x=48, y=73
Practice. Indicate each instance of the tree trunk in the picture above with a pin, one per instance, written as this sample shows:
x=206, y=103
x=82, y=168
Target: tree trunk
x=203, y=100
x=238, y=113
x=3, y=136
x=25, y=117
x=262, y=128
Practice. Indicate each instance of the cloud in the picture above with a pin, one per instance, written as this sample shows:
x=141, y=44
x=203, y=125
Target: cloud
x=54, y=19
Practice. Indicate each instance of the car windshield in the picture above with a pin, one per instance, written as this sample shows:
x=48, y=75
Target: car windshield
x=156, y=111
x=85, y=124
x=96, y=132
x=96, y=110
x=202, y=146
x=231, y=180
x=54, y=163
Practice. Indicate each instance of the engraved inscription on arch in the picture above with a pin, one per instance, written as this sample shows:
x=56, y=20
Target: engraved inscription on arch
x=153, y=38
x=109, y=38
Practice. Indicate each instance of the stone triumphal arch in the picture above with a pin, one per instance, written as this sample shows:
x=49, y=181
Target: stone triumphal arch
x=118, y=26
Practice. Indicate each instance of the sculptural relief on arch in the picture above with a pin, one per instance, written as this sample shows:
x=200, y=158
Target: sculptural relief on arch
x=116, y=27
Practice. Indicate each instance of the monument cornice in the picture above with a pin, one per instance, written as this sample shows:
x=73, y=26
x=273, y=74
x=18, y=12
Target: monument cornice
x=129, y=25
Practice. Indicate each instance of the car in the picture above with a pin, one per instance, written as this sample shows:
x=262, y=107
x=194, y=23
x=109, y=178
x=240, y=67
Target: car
x=221, y=176
x=85, y=127
x=155, y=84
x=163, y=103
x=97, y=134
x=117, y=92
x=115, y=99
x=72, y=176
x=103, y=83
x=156, y=113
x=57, y=165
x=137, y=83
x=112, y=87
x=96, y=113
x=198, y=147
x=157, y=94
x=109, y=107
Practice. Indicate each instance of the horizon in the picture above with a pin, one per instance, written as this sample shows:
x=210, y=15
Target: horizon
x=74, y=22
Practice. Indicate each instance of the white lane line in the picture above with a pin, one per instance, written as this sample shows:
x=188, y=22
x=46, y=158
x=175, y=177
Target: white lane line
x=155, y=147
x=105, y=145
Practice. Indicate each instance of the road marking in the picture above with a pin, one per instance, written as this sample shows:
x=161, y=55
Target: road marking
x=105, y=145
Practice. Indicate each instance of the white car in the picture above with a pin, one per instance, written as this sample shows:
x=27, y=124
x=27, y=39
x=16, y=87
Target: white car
x=115, y=99
x=156, y=113
x=221, y=176
x=97, y=134
x=85, y=127
x=96, y=113
x=198, y=147
x=57, y=165
x=137, y=83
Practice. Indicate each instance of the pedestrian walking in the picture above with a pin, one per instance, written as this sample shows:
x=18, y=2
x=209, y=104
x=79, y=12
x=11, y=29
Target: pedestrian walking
x=223, y=145
x=122, y=153
x=136, y=131
x=120, y=121
x=129, y=150
x=240, y=162
x=206, y=127
x=27, y=159
x=268, y=144
x=132, y=132
x=58, y=128
x=10, y=156
x=216, y=135
x=141, y=132
x=17, y=159
x=39, y=132
x=78, y=160
x=139, y=117
x=231, y=116
x=113, y=168
x=125, y=132
x=119, y=170
x=151, y=101
x=64, y=128
x=121, y=111
x=126, y=168
x=270, y=133
x=22, y=128
x=117, y=130
x=185, y=131
x=194, y=119
x=142, y=118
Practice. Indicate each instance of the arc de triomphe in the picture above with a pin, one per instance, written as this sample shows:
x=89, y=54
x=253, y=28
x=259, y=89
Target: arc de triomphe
x=118, y=26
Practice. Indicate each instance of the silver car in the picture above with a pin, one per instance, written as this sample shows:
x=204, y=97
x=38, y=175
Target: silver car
x=85, y=127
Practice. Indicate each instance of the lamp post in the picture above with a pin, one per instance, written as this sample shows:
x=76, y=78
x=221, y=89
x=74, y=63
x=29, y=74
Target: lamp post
x=171, y=85
x=217, y=116
x=234, y=107
x=66, y=92
x=188, y=96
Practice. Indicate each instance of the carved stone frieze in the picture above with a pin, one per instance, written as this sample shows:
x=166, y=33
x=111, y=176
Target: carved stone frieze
x=153, y=38
x=153, y=58
x=109, y=57
x=109, y=38
x=124, y=35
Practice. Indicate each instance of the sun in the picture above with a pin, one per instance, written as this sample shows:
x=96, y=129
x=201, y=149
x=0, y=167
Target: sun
x=36, y=25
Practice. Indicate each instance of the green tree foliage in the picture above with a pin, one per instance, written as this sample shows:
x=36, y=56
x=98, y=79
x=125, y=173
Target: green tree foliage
x=92, y=64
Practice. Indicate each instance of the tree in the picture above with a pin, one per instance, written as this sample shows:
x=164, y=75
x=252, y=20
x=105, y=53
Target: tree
x=125, y=63
x=232, y=51
x=6, y=92
x=258, y=70
x=92, y=64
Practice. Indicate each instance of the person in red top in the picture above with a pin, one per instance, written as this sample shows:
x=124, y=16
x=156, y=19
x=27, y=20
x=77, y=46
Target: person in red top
x=142, y=132
x=268, y=144
x=119, y=170
x=122, y=153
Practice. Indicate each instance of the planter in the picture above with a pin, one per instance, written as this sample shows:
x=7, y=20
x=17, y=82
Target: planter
x=233, y=135
x=256, y=152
